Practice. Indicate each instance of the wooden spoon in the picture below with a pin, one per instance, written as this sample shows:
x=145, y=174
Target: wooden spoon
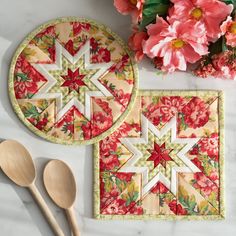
x=61, y=187
x=18, y=165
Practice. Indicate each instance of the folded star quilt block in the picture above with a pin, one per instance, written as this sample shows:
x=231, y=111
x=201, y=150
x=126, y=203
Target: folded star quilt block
x=72, y=81
x=165, y=161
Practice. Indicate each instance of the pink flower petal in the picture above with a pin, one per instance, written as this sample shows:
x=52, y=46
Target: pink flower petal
x=154, y=29
x=201, y=49
x=123, y=6
x=190, y=55
x=225, y=25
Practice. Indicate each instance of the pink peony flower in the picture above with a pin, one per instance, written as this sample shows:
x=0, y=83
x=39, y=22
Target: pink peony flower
x=176, y=42
x=135, y=43
x=228, y=29
x=133, y=7
x=209, y=12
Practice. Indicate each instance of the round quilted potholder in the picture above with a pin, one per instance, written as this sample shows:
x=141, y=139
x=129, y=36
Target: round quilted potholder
x=73, y=81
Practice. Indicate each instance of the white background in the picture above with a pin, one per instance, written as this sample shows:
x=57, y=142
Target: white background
x=19, y=215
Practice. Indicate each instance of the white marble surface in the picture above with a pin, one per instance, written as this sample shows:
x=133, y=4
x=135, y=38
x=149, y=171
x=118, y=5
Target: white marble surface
x=19, y=216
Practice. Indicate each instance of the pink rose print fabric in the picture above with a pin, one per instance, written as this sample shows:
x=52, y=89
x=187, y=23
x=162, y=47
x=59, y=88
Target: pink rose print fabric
x=165, y=160
x=72, y=80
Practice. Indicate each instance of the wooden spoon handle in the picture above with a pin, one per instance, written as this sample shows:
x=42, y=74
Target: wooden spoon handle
x=46, y=211
x=72, y=220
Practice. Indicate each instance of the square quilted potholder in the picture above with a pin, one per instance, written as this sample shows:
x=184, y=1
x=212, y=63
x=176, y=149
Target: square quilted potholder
x=165, y=161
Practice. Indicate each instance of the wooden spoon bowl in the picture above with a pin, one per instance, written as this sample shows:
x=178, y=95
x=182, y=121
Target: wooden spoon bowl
x=61, y=187
x=17, y=163
x=59, y=180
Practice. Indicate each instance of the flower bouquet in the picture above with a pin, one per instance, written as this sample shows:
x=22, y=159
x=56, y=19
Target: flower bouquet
x=179, y=33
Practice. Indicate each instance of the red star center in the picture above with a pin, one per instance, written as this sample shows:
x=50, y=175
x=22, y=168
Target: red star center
x=73, y=80
x=159, y=155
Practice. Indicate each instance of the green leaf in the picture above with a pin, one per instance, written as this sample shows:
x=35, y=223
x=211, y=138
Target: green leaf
x=128, y=202
x=119, y=184
x=218, y=46
x=155, y=100
x=151, y=9
x=32, y=112
x=192, y=203
x=162, y=199
x=108, y=185
x=29, y=95
x=135, y=196
x=112, y=86
x=44, y=105
x=23, y=76
x=187, y=201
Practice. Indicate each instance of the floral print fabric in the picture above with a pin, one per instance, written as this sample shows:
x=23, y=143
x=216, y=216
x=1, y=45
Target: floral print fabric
x=57, y=85
x=198, y=181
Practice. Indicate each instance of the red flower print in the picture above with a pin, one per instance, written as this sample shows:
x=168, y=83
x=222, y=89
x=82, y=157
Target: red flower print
x=108, y=197
x=159, y=188
x=198, y=163
x=69, y=117
x=204, y=184
x=73, y=80
x=116, y=208
x=26, y=78
x=32, y=120
x=108, y=145
x=104, y=105
x=196, y=113
x=69, y=46
x=70, y=128
x=23, y=88
x=124, y=129
x=45, y=41
x=42, y=123
x=127, y=177
x=49, y=31
x=119, y=207
x=52, y=52
x=194, y=150
x=103, y=55
x=165, y=109
x=67, y=122
x=135, y=209
x=78, y=27
x=159, y=155
x=177, y=208
x=93, y=45
x=109, y=162
x=119, y=67
x=86, y=130
x=211, y=146
x=101, y=122
x=136, y=126
x=170, y=106
x=153, y=113
x=121, y=97
x=214, y=176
